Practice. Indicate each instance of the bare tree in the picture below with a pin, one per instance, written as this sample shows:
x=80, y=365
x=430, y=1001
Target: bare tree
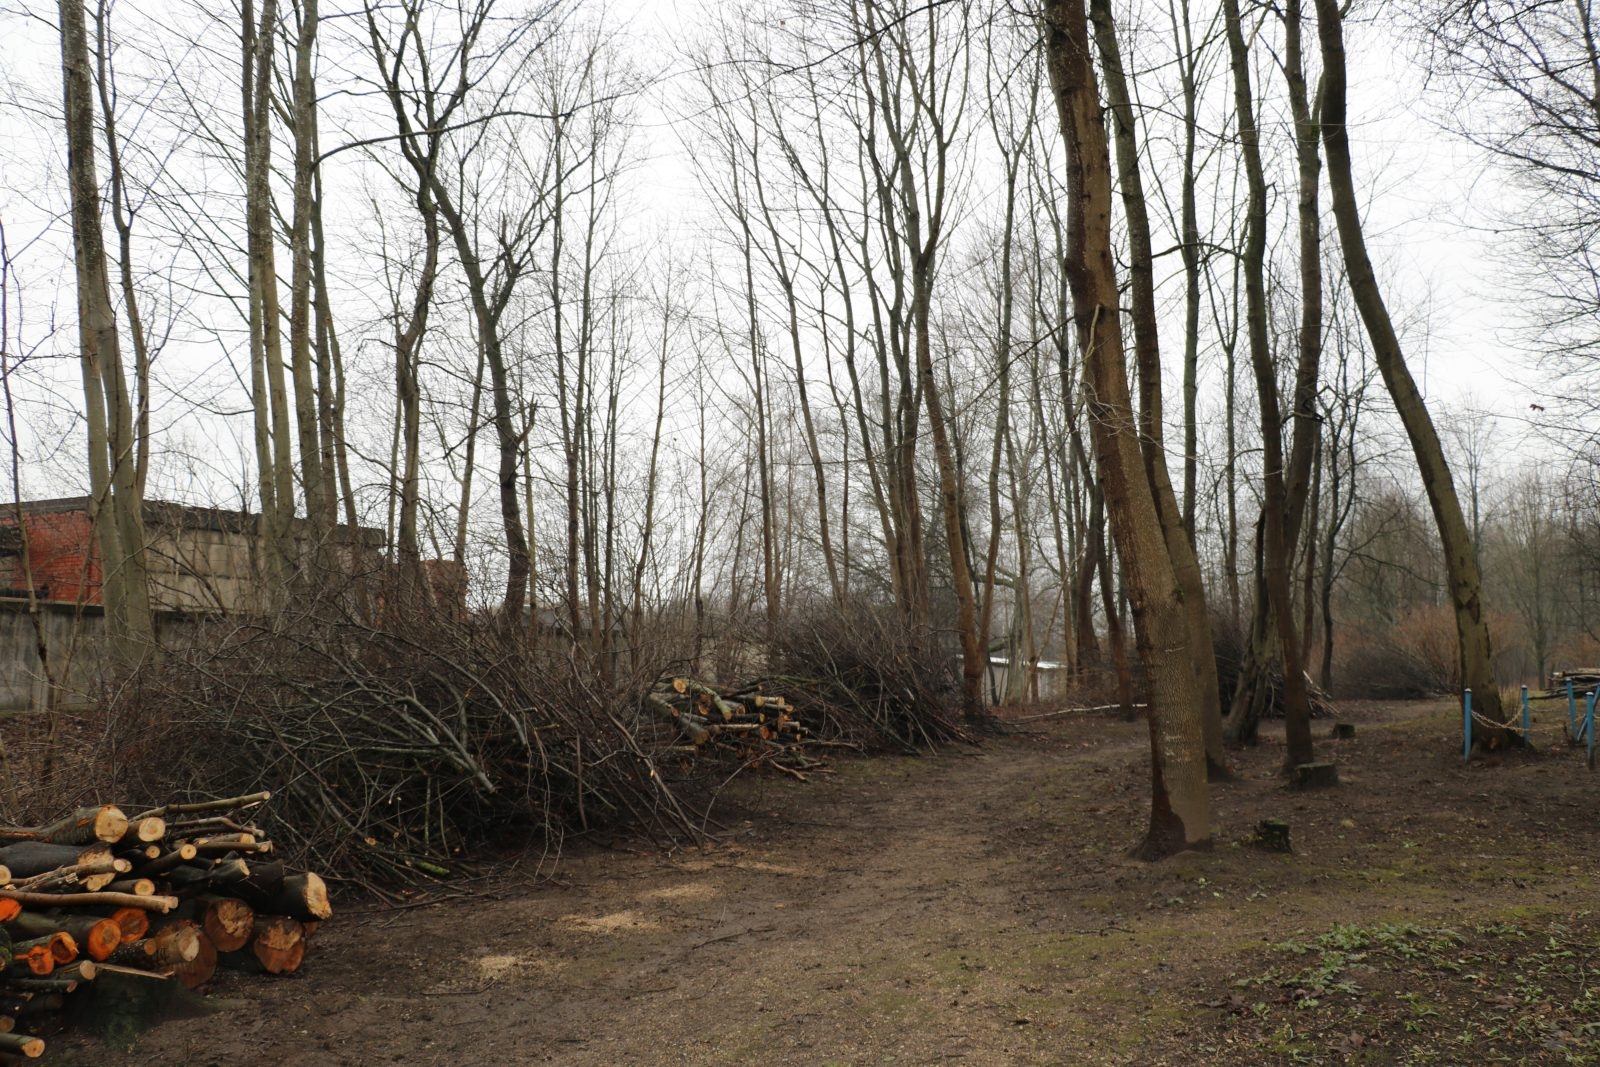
x=116, y=509
x=1466, y=584
x=1180, y=801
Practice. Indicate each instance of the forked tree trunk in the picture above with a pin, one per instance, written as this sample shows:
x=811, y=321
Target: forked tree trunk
x=1461, y=564
x=1180, y=815
x=1147, y=357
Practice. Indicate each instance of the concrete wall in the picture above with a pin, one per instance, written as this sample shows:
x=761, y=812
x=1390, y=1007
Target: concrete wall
x=72, y=641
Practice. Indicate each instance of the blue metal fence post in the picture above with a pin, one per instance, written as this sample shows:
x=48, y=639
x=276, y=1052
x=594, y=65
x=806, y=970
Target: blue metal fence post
x=1466, y=726
x=1526, y=717
x=1572, y=713
x=1588, y=726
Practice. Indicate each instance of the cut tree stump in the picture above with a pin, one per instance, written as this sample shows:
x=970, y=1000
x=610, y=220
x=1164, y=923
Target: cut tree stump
x=1272, y=835
x=1314, y=776
x=1344, y=731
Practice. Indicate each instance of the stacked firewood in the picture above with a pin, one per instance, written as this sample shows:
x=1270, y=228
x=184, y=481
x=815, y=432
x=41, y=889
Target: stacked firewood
x=757, y=728
x=162, y=896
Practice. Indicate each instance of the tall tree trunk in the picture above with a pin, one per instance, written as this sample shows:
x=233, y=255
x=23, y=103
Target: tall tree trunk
x=1461, y=565
x=1147, y=358
x=1188, y=62
x=122, y=215
x=116, y=510
x=1276, y=542
x=319, y=517
x=1180, y=815
x=269, y=396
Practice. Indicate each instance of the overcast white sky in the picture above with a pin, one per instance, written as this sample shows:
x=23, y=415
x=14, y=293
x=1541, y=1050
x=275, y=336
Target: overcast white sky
x=1428, y=193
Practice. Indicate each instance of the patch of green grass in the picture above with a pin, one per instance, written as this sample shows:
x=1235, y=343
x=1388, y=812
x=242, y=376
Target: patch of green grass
x=1508, y=988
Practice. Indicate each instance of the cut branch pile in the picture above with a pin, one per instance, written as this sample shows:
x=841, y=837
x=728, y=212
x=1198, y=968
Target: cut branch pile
x=159, y=897
x=862, y=677
x=399, y=755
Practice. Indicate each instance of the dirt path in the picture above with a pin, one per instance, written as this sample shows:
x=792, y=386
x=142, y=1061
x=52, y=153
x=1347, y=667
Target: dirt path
x=971, y=908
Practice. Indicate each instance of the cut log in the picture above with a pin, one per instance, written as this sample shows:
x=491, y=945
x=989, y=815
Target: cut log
x=119, y=970
x=139, y=887
x=29, y=859
x=279, y=944
x=690, y=725
x=30, y=958
x=81, y=970
x=133, y=922
x=244, y=844
x=41, y=1001
x=220, y=824
x=56, y=949
x=22, y=1045
x=192, y=880
x=65, y=900
x=168, y=947
x=9, y=909
x=303, y=897
x=181, y=853
x=198, y=971
x=63, y=946
x=104, y=823
x=144, y=830
x=1314, y=776
x=228, y=921
x=97, y=937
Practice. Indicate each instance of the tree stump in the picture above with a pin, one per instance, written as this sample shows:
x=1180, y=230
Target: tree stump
x=1272, y=835
x=1344, y=731
x=1314, y=776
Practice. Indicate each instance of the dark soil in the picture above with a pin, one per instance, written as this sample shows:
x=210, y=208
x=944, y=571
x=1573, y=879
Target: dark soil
x=978, y=907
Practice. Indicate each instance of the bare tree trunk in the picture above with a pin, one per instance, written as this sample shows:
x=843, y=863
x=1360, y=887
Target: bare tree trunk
x=116, y=510
x=1461, y=565
x=647, y=530
x=319, y=502
x=122, y=220
x=1180, y=814
x=469, y=462
x=268, y=395
x=1275, y=540
x=1188, y=63
x=330, y=372
x=1147, y=357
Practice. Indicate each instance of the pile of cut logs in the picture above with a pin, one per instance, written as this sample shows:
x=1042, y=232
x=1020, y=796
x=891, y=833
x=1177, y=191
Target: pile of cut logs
x=158, y=897
x=758, y=728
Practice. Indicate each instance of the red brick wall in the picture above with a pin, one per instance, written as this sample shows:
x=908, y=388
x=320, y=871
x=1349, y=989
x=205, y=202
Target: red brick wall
x=60, y=544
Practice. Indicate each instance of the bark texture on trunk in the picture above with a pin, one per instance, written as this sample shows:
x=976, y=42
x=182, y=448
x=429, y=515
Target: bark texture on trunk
x=116, y=508
x=1180, y=814
x=1461, y=562
x=1147, y=358
x=1276, y=542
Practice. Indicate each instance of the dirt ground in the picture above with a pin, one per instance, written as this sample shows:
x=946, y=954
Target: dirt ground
x=976, y=907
